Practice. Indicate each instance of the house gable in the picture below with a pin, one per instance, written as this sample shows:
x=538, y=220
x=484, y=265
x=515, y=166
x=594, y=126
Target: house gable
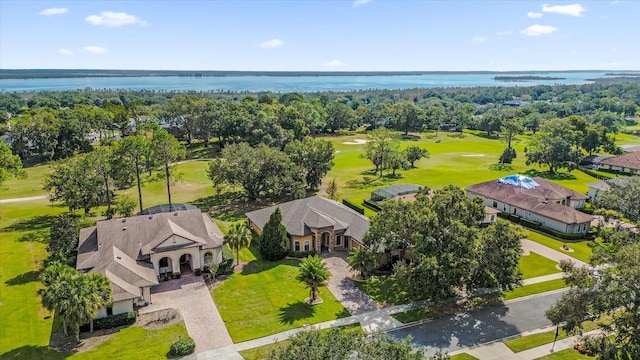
x=172, y=242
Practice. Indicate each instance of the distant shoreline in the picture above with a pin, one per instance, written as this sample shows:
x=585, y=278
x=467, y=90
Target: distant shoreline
x=526, y=78
x=80, y=73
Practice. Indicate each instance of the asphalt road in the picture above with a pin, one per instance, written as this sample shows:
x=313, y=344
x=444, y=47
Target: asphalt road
x=481, y=326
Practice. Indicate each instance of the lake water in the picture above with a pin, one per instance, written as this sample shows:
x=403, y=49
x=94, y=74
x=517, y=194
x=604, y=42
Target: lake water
x=283, y=84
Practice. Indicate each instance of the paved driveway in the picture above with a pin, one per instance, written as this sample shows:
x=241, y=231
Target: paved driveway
x=469, y=329
x=190, y=296
x=555, y=255
x=352, y=298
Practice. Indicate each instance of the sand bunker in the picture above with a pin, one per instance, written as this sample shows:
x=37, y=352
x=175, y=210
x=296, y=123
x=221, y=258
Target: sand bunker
x=474, y=155
x=356, y=142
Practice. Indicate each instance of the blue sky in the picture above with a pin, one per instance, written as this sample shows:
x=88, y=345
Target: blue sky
x=320, y=35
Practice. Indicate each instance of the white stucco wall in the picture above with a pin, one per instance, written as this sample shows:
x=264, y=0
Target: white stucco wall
x=120, y=307
x=216, y=253
x=545, y=221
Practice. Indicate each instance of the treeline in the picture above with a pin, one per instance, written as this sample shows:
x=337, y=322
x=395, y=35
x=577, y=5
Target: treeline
x=55, y=125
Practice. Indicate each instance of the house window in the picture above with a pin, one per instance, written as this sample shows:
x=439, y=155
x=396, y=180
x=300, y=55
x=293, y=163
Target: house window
x=495, y=204
x=297, y=246
x=563, y=202
x=207, y=258
x=164, y=262
x=493, y=218
x=514, y=211
x=338, y=240
x=504, y=207
x=306, y=245
x=109, y=310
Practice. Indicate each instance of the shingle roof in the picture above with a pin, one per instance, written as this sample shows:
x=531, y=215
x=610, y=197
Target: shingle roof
x=116, y=247
x=540, y=200
x=629, y=160
x=299, y=216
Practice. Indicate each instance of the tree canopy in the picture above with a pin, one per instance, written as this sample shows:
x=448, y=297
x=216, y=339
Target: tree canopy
x=273, y=240
x=448, y=247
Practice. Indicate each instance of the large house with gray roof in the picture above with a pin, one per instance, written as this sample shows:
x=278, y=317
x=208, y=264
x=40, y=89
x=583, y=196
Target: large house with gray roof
x=627, y=163
x=315, y=223
x=135, y=252
x=536, y=199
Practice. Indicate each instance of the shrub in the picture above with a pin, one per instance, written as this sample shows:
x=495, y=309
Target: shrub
x=225, y=267
x=176, y=275
x=182, y=347
x=301, y=254
x=508, y=155
x=109, y=322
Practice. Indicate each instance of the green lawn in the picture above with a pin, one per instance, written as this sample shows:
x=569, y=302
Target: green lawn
x=265, y=298
x=383, y=289
x=127, y=344
x=535, y=340
x=463, y=356
x=534, y=289
x=567, y=354
x=24, y=231
x=581, y=249
x=451, y=162
x=29, y=186
x=534, y=265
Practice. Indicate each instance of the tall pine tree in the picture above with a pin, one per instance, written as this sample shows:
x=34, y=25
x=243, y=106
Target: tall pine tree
x=273, y=241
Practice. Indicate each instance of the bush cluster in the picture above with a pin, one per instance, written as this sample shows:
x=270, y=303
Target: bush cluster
x=301, y=254
x=182, y=347
x=225, y=267
x=109, y=322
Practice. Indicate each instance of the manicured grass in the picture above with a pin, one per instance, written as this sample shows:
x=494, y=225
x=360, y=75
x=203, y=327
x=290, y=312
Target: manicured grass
x=383, y=289
x=535, y=340
x=24, y=231
x=534, y=289
x=581, y=249
x=127, y=344
x=450, y=163
x=567, y=354
x=534, y=265
x=29, y=186
x=265, y=298
x=263, y=352
x=463, y=356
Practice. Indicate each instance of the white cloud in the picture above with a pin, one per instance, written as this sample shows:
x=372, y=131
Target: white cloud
x=479, y=39
x=534, y=15
x=114, y=19
x=95, y=50
x=271, y=43
x=359, y=3
x=53, y=11
x=334, y=63
x=65, y=52
x=537, y=30
x=504, y=33
x=571, y=10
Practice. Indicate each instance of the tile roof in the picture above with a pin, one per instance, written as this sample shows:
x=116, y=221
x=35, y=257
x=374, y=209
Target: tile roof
x=117, y=247
x=540, y=200
x=300, y=216
x=629, y=160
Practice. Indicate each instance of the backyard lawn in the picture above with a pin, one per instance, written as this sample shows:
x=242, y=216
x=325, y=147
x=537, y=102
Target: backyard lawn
x=270, y=290
x=534, y=265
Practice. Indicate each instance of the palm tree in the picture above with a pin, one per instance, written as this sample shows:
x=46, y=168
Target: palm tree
x=239, y=236
x=362, y=261
x=313, y=272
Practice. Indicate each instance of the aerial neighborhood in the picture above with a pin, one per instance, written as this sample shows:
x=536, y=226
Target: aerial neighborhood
x=296, y=190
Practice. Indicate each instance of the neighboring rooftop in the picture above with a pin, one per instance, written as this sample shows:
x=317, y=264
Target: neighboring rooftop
x=300, y=216
x=628, y=160
x=393, y=191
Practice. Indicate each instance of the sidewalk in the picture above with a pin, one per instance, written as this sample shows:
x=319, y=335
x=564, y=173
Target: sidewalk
x=499, y=351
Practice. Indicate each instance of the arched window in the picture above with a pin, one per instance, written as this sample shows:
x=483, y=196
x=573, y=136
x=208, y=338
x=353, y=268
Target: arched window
x=164, y=262
x=208, y=257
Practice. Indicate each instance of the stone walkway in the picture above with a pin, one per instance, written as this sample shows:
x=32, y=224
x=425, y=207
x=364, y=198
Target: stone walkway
x=351, y=297
x=555, y=255
x=191, y=297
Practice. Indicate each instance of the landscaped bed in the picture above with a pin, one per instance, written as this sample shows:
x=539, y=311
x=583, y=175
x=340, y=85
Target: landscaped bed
x=265, y=298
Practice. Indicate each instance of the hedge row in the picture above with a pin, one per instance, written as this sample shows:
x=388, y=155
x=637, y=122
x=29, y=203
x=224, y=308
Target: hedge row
x=112, y=321
x=534, y=225
x=301, y=254
x=353, y=206
x=595, y=174
x=226, y=267
x=371, y=205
